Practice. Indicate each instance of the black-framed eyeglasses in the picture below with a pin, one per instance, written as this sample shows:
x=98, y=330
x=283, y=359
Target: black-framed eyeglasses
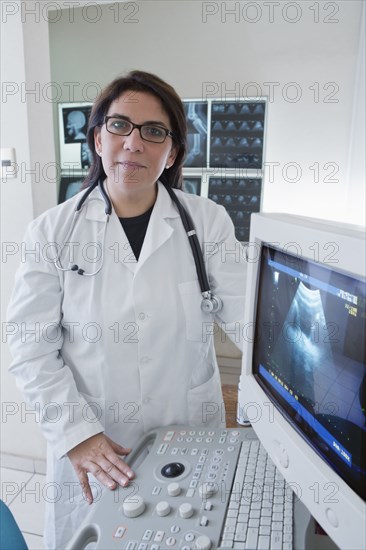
x=148, y=132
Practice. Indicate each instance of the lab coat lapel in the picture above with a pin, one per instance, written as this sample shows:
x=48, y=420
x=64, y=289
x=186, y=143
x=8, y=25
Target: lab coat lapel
x=159, y=230
x=117, y=248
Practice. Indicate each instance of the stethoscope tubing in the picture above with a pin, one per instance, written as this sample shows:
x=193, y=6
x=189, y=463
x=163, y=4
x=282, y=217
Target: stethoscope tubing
x=187, y=224
x=193, y=241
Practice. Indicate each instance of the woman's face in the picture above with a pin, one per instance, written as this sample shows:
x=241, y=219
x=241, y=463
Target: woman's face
x=131, y=164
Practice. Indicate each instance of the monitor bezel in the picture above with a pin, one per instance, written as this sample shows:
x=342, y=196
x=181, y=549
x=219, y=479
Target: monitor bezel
x=327, y=496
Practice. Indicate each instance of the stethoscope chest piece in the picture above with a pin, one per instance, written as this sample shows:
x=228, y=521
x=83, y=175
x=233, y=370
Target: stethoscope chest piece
x=211, y=304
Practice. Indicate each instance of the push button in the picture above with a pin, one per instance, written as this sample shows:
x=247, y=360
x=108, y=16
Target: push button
x=147, y=535
x=119, y=532
x=159, y=536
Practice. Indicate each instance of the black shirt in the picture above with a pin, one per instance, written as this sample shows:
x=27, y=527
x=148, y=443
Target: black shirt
x=135, y=229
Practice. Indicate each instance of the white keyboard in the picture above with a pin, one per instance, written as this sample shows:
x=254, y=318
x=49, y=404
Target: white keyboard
x=260, y=511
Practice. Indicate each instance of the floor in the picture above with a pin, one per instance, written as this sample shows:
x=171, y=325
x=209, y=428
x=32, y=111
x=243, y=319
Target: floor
x=25, y=491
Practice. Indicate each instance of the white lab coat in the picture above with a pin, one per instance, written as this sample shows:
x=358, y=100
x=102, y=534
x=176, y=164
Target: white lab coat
x=125, y=350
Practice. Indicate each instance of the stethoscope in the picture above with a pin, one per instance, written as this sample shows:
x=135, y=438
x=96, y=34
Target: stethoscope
x=210, y=303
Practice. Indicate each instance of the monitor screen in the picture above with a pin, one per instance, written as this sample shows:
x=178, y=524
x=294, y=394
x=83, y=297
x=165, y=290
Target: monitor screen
x=309, y=356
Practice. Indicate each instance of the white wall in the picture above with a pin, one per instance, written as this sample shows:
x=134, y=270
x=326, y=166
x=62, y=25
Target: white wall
x=307, y=68
x=26, y=125
x=356, y=203
x=315, y=57
x=16, y=211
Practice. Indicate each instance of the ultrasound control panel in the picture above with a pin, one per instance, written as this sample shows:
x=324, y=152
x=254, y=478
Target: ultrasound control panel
x=178, y=498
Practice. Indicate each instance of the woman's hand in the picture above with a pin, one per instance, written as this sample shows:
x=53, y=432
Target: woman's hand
x=99, y=456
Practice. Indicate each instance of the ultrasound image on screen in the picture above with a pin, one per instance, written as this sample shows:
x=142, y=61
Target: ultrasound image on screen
x=310, y=354
x=299, y=350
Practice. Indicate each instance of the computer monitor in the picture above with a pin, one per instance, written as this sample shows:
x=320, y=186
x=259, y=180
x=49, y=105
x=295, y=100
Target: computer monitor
x=303, y=381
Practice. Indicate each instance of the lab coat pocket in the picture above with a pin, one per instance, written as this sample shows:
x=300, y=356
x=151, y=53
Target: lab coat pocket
x=205, y=404
x=199, y=325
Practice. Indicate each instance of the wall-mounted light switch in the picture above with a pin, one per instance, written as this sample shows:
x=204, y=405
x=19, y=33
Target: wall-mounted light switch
x=8, y=163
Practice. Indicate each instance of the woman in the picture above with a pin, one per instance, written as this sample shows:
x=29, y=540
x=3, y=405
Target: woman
x=124, y=347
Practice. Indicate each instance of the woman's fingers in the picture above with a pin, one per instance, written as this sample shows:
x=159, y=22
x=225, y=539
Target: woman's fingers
x=99, y=455
x=85, y=487
x=114, y=467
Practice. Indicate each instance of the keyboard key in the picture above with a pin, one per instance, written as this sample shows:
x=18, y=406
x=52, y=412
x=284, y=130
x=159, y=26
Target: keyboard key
x=288, y=513
x=263, y=542
x=276, y=540
x=244, y=509
x=253, y=522
x=241, y=532
x=264, y=530
x=252, y=537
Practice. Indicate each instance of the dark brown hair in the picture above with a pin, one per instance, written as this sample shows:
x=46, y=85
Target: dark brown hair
x=139, y=81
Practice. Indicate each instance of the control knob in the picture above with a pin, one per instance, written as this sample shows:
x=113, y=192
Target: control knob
x=185, y=510
x=163, y=508
x=133, y=506
x=174, y=489
x=203, y=543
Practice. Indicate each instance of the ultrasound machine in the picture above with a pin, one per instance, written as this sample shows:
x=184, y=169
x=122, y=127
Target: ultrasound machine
x=301, y=465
